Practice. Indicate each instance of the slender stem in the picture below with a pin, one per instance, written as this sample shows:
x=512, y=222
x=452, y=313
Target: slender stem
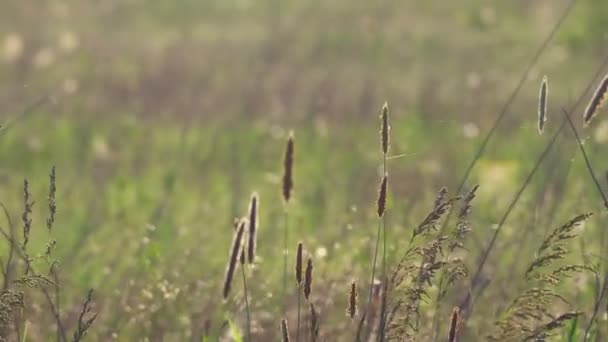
x=505, y=108
x=298, y=328
x=507, y=105
x=246, y=303
x=384, y=228
x=602, y=293
x=384, y=265
x=596, y=308
x=587, y=162
x=486, y=252
x=285, y=237
x=371, y=282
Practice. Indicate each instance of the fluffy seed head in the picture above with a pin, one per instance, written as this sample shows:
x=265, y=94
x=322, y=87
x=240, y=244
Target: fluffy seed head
x=453, y=334
x=596, y=101
x=288, y=169
x=308, y=279
x=382, y=196
x=284, y=330
x=235, y=253
x=253, y=227
x=299, y=264
x=352, y=300
x=385, y=128
x=542, y=105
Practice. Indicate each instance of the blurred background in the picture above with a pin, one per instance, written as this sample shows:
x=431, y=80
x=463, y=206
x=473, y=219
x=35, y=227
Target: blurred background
x=163, y=116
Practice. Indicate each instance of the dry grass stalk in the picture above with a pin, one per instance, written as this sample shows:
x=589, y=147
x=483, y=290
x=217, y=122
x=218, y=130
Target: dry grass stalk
x=284, y=330
x=542, y=105
x=299, y=264
x=453, y=334
x=253, y=227
x=385, y=129
x=288, y=169
x=308, y=279
x=235, y=252
x=352, y=300
x=596, y=101
x=381, y=203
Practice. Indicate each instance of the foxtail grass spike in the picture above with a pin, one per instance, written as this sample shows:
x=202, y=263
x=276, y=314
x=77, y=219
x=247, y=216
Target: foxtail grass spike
x=288, y=169
x=453, y=334
x=596, y=101
x=52, y=204
x=299, y=264
x=253, y=227
x=352, y=300
x=308, y=280
x=314, y=323
x=284, y=330
x=542, y=105
x=26, y=216
x=235, y=252
x=382, y=196
x=242, y=257
x=385, y=128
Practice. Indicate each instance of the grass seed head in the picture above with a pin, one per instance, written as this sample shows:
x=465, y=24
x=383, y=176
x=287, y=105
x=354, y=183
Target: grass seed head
x=385, y=128
x=596, y=101
x=52, y=205
x=314, y=322
x=253, y=227
x=308, y=279
x=453, y=334
x=381, y=203
x=235, y=252
x=352, y=300
x=284, y=330
x=299, y=264
x=542, y=105
x=288, y=169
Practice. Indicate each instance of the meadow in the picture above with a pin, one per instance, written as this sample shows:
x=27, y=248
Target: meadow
x=135, y=133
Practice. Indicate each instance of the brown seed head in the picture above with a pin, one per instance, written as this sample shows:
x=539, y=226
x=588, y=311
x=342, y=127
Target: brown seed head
x=314, y=323
x=352, y=302
x=596, y=101
x=52, y=205
x=453, y=334
x=284, y=330
x=382, y=196
x=308, y=279
x=299, y=264
x=542, y=105
x=253, y=227
x=288, y=169
x=385, y=128
x=235, y=252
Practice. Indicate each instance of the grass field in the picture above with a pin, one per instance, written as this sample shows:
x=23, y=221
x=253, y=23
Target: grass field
x=162, y=119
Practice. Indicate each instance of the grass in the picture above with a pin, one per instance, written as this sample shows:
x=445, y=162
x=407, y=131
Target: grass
x=156, y=253
x=143, y=204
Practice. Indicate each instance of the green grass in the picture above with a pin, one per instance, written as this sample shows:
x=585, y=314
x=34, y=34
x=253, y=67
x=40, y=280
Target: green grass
x=181, y=111
x=145, y=209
